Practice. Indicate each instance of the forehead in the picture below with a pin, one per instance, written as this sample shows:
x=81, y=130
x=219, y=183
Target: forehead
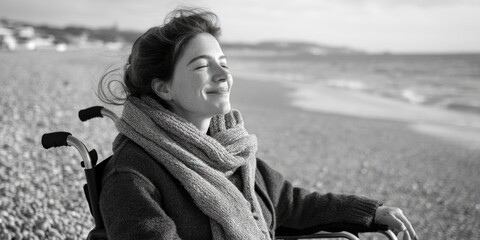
x=201, y=44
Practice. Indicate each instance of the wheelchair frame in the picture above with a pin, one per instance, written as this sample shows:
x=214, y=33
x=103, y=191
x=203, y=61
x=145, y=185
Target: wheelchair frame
x=94, y=171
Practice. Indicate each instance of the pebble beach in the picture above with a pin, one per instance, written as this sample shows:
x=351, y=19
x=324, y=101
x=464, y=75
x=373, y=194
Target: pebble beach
x=433, y=179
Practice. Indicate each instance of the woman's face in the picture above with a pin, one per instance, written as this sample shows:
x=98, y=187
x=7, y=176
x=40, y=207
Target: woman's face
x=201, y=82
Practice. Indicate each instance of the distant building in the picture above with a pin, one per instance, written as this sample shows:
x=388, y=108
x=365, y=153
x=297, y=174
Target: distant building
x=26, y=32
x=15, y=35
x=7, y=39
x=40, y=42
x=30, y=39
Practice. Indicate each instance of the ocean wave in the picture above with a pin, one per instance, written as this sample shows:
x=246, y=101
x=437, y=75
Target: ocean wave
x=464, y=107
x=350, y=84
x=413, y=97
x=292, y=77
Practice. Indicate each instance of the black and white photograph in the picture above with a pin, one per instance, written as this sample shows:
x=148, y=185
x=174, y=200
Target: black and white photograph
x=239, y=120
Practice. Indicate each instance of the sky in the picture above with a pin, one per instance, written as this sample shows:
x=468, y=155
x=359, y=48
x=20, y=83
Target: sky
x=397, y=26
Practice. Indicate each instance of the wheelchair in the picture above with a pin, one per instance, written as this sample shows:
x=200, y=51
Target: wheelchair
x=94, y=171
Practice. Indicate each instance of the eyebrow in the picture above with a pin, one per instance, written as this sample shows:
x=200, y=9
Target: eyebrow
x=203, y=56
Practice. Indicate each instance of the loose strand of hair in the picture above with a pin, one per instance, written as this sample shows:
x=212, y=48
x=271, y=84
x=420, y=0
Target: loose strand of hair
x=105, y=92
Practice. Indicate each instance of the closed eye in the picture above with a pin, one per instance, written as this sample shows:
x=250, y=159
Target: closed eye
x=200, y=67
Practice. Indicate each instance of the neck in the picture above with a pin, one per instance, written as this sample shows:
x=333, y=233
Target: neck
x=201, y=124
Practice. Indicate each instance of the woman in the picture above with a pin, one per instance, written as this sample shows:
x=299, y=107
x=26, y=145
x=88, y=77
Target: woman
x=184, y=167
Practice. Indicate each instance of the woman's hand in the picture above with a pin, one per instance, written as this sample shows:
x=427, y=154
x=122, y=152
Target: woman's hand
x=395, y=220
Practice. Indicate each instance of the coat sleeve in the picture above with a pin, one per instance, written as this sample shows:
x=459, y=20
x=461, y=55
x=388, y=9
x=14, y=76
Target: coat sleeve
x=298, y=208
x=130, y=207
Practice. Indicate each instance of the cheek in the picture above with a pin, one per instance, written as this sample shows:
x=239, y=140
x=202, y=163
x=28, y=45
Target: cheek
x=189, y=88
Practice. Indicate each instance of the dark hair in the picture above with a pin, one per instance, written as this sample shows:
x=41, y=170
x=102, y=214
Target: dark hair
x=155, y=53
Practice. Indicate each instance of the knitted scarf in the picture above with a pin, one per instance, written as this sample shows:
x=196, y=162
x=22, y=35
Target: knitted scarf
x=202, y=163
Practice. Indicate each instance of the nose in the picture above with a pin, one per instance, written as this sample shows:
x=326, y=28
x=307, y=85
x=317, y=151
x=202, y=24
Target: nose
x=220, y=73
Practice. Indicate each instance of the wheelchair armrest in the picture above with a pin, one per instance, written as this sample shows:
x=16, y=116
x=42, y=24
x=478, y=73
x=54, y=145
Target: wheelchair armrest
x=346, y=235
x=334, y=227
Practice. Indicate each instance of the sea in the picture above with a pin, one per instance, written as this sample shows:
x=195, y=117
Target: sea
x=449, y=81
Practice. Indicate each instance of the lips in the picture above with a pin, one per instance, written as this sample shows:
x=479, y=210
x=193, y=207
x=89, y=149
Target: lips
x=217, y=91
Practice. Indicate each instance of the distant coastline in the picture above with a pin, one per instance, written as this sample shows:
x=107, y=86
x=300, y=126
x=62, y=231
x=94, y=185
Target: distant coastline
x=19, y=35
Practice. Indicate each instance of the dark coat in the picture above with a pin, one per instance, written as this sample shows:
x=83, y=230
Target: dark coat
x=140, y=199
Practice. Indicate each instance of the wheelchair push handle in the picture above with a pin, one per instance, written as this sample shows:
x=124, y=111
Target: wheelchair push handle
x=55, y=139
x=89, y=113
x=94, y=112
x=60, y=139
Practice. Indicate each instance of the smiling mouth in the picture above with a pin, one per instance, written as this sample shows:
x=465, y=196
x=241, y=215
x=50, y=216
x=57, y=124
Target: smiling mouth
x=218, y=91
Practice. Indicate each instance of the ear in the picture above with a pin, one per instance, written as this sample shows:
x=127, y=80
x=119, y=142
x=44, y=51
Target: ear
x=162, y=89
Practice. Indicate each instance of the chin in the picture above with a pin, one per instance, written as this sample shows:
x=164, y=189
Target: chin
x=218, y=108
